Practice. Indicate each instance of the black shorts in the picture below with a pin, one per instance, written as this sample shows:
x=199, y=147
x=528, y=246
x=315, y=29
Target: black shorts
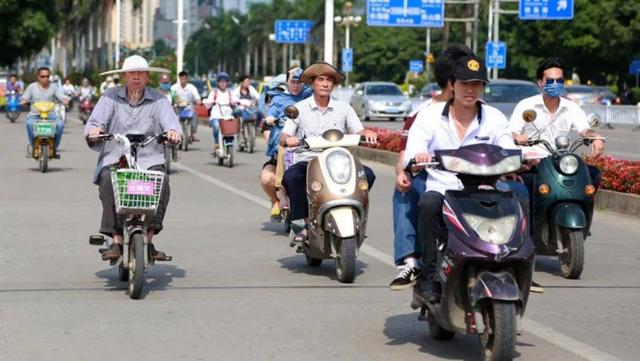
x=271, y=161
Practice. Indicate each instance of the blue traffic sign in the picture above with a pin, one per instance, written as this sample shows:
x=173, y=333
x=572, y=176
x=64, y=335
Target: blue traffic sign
x=411, y=13
x=546, y=9
x=496, y=55
x=347, y=60
x=292, y=31
x=634, y=67
x=416, y=66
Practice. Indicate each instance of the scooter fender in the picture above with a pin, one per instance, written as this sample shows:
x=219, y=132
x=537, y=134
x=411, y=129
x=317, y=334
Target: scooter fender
x=497, y=286
x=341, y=221
x=569, y=215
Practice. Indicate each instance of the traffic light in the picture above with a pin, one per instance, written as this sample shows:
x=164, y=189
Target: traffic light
x=430, y=58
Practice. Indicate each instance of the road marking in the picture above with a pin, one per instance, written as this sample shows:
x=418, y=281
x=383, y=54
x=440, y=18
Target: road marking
x=544, y=332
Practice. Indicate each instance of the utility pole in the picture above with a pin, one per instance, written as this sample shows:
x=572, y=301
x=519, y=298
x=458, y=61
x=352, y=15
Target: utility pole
x=328, y=31
x=427, y=51
x=117, y=33
x=180, y=41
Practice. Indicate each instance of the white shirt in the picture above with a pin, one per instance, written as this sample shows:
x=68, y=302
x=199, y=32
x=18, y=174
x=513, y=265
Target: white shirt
x=189, y=93
x=427, y=103
x=569, y=116
x=223, y=102
x=253, y=93
x=433, y=130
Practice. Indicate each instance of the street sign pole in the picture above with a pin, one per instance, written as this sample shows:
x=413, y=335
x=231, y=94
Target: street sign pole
x=328, y=31
x=496, y=32
x=428, y=52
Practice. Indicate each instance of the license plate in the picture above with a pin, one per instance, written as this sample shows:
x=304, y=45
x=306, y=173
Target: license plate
x=393, y=110
x=44, y=129
x=140, y=188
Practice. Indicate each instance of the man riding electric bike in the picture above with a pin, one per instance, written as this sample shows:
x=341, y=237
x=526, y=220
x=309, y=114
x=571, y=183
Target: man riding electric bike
x=185, y=96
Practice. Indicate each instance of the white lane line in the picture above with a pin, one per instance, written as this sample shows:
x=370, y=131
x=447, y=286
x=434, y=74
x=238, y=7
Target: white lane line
x=544, y=332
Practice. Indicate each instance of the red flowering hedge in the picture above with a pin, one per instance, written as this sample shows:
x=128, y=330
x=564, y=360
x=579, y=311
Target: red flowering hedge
x=617, y=175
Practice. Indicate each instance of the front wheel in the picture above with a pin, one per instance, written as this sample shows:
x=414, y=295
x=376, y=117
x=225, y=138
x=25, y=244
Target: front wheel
x=252, y=137
x=136, y=265
x=230, y=156
x=346, y=261
x=572, y=256
x=313, y=262
x=186, y=135
x=44, y=158
x=498, y=340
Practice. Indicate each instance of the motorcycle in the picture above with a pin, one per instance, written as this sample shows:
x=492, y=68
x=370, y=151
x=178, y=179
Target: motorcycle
x=13, y=106
x=248, y=131
x=85, y=107
x=137, y=196
x=185, y=115
x=338, y=194
x=485, y=268
x=562, y=201
x=229, y=130
x=44, y=132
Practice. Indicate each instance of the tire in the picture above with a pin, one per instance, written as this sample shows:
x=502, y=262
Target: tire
x=346, y=261
x=220, y=160
x=12, y=116
x=174, y=152
x=44, y=158
x=251, y=143
x=286, y=217
x=313, y=262
x=498, y=341
x=436, y=332
x=230, y=156
x=572, y=261
x=186, y=132
x=136, y=269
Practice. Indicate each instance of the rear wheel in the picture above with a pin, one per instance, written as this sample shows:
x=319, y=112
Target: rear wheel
x=313, y=262
x=286, y=217
x=123, y=273
x=498, y=340
x=251, y=142
x=230, y=156
x=186, y=135
x=167, y=159
x=44, y=158
x=346, y=261
x=572, y=256
x=136, y=266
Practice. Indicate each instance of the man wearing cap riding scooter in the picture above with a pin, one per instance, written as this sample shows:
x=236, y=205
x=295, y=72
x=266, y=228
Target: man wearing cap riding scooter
x=134, y=107
x=464, y=120
x=317, y=114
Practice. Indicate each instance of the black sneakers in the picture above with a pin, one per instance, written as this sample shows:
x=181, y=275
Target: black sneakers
x=406, y=278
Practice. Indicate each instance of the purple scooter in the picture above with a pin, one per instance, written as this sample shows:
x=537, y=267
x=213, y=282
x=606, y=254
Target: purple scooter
x=485, y=268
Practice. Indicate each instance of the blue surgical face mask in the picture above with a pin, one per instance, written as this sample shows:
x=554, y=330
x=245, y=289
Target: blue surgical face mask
x=553, y=90
x=165, y=86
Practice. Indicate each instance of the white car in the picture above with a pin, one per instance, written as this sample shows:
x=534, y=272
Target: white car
x=380, y=100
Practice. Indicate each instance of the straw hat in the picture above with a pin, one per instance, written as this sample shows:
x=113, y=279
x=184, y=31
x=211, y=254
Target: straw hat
x=136, y=63
x=322, y=68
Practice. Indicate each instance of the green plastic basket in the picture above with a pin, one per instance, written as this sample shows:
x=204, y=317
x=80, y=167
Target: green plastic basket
x=137, y=191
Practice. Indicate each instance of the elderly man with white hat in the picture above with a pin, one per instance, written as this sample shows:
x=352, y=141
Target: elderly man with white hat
x=131, y=108
x=317, y=114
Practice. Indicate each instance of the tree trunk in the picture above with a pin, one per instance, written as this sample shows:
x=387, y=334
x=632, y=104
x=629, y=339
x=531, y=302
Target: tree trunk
x=307, y=55
x=256, y=59
x=263, y=68
x=273, y=59
x=284, y=58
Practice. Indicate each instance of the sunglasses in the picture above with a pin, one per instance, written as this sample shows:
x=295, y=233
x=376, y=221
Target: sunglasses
x=43, y=76
x=551, y=81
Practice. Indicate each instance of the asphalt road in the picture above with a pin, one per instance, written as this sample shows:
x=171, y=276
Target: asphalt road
x=236, y=291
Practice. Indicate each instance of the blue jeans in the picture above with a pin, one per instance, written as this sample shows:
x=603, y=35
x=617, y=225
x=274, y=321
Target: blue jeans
x=215, y=125
x=405, y=212
x=52, y=117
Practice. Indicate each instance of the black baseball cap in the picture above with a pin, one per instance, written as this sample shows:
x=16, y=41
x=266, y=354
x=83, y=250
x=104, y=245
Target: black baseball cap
x=470, y=68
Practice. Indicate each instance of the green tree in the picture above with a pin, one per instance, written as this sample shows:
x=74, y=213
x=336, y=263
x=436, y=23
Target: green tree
x=27, y=26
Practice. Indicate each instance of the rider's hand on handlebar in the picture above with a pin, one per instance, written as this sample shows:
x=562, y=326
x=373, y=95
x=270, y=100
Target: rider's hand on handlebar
x=420, y=158
x=292, y=141
x=597, y=147
x=370, y=136
x=173, y=136
x=521, y=139
x=270, y=120
x=530, y=163
x=93, y=132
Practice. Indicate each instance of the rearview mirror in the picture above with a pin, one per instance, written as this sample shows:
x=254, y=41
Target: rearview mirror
x=594, y=120
x=291, y=112
x=529, y=115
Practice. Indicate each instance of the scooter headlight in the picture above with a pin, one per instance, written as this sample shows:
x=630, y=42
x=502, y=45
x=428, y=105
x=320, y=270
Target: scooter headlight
x=339, y=166
x=492, y=230
x=568, y=164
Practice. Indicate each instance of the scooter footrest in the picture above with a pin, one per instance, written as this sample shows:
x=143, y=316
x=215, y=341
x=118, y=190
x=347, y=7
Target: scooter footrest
x=96, y=240
x=164, y=259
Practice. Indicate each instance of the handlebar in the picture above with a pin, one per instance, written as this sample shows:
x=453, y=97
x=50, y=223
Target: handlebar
x=160, y=138
x=412, y=162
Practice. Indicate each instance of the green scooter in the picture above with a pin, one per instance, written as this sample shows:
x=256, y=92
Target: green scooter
x=562, y=202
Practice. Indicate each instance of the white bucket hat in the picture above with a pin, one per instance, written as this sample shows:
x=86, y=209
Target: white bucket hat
x=136, y=63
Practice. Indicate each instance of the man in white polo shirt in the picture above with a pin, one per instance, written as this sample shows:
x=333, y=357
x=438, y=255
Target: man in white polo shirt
x=555, y=116
x=464, y=120
x=317, y=114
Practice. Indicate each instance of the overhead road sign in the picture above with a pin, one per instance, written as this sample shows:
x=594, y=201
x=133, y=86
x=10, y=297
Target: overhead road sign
x=634, y=67
x=406, y=13
x=546, y=9
x=292, y=31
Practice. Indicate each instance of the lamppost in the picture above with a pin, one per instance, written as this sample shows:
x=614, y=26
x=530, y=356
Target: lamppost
x=347, y=20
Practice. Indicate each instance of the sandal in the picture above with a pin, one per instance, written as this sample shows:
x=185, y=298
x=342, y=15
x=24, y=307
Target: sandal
x=275, y=213
x=301, y=236
x=156, y=255
x=113, y=253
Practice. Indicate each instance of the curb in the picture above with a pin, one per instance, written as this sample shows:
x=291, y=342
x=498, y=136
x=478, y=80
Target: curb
x=618, y=202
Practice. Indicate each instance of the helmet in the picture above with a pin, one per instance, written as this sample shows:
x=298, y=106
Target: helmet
x=164, y=78
x=222, y=76
x=85, y=82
